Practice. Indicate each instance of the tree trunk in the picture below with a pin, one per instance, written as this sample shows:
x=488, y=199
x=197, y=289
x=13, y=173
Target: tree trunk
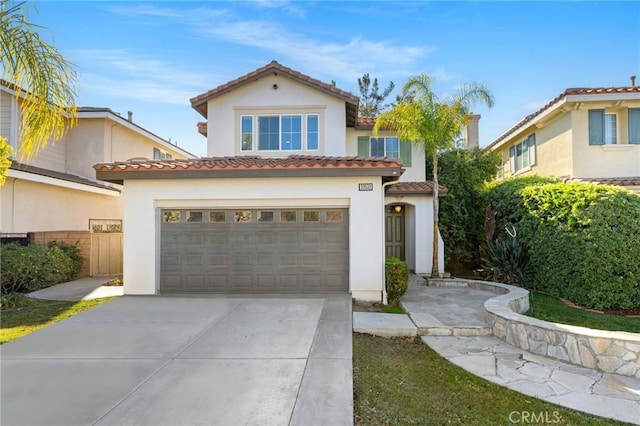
x=436, y=208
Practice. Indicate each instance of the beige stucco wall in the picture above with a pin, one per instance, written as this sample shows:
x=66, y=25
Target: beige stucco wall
x=27, y=206
x=144, y=198
x=224, y=111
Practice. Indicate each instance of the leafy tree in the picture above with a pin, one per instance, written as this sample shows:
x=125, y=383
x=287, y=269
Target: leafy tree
x=371, y=100
x=432, y=123
x=38, y=74
x=464, y=173
x=5, y=163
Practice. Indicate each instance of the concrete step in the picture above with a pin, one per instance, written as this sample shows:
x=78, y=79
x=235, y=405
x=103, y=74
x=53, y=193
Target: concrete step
x=458, y=330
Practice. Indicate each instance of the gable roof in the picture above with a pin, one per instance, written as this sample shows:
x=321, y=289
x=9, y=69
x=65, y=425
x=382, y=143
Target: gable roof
x=250, y=166
x=603, y=92
x=199, y=103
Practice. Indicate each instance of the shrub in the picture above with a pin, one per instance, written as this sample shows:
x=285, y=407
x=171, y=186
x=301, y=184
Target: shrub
x=506, y=261
x=582, y=239
x=27, y=269
x=464, y=173
x=73, y=252
x=396, y=278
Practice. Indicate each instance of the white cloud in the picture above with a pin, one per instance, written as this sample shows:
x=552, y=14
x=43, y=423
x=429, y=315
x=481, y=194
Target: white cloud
x=119, y=72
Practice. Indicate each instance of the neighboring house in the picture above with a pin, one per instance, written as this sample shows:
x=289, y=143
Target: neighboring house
x=56, y=192
x=590, y=135
x=297, y=196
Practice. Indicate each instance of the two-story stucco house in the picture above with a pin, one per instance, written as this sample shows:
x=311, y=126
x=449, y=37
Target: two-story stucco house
x=586, y=134
x=56, y=191
x=297, y=196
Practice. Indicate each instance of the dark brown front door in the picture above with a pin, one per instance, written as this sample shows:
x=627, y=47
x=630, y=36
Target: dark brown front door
x=394, y=232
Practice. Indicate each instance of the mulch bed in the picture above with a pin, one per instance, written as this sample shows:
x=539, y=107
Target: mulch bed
x=631, y=312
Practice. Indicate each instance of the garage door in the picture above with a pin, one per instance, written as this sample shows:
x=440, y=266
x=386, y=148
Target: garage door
x=254, y=251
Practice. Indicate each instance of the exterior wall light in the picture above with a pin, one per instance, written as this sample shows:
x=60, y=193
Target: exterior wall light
x=397, y=208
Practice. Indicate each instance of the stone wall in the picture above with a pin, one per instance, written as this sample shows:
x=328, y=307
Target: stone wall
x=609, y=351
x=82, y=239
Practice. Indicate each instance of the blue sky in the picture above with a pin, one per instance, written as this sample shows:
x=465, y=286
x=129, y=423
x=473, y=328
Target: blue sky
x=150, y=57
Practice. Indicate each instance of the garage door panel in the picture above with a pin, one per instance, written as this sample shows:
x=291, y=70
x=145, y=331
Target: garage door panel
x=266, y=251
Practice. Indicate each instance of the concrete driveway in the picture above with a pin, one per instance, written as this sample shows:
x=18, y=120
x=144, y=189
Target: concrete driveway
x=185, y=361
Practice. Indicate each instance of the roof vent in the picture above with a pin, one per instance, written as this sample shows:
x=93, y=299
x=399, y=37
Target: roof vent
x=130, y=116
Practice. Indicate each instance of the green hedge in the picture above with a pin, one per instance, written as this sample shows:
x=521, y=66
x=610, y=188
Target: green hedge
x=396, y=278
x=27, y=269
x=583, y=240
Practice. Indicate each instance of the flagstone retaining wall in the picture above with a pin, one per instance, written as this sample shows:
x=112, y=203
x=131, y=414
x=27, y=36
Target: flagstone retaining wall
x=609, y=351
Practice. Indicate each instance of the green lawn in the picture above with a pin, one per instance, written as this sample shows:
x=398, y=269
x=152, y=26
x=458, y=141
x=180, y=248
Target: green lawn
x=549, y=308
x=18, y=322
x=403, y=381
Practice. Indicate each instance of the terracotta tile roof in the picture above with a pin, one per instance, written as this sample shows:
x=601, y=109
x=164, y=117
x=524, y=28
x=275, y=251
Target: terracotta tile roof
x=415, y=188
x=249, y=166
x=199, y=103
x=567, y=92
x=620, y=181
x=366, y=122
x=60, y=175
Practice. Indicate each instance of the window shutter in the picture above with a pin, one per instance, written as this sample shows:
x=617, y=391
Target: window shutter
x=363, y=146
x=405, y=153
x=634, y=125
x=596, y=127
x=532, y=149
x=512, y=160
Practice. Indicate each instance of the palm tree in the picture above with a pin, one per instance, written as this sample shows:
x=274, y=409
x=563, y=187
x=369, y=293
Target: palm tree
x=39, y=75
x=433, y=123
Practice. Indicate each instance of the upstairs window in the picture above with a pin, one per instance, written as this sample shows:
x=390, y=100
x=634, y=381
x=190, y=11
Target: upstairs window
x=634, y=125
x=603, y=127
x=286, y=132
x=158, y=154
x=389, y=146
x=523, y=154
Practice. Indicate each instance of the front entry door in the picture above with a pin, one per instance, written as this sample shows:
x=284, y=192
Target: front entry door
x=394, y=232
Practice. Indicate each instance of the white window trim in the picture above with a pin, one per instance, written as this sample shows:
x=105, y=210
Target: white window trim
x=615, y=114
x=305, y=132
x=253, y=126
x=512, y=160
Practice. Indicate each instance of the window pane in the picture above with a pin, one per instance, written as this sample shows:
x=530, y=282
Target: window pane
x=525, y=154
x=333, y=215
x=265, y=217
x=243, y=216
x=312, y=132
x=288, y=216
x=247, y=133
x=194, y=217
x=518, y=156
x=268, y=133
x=392, y=148
x=312, y=216
x=216, y=217
x=377, y=147
x=610, y=129
x=171, y=216
x=291, y=132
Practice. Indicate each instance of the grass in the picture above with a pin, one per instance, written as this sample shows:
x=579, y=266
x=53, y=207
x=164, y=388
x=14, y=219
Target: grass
x=549, y=308
x=37, y=314
x=403, y=381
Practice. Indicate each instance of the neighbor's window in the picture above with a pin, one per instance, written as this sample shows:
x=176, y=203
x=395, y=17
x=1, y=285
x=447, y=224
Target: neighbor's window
x=634, y=125
x=523, y=154
x=161, y=155
x=603, y=127
x=246, y=129
x=385, y=147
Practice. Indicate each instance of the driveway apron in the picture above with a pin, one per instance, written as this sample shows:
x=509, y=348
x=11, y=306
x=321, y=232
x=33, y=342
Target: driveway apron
x=150, y=360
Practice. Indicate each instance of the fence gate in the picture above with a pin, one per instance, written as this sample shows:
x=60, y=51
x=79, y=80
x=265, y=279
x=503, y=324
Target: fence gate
x=106, y=254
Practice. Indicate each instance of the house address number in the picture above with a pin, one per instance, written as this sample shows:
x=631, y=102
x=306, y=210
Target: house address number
x=365, y=186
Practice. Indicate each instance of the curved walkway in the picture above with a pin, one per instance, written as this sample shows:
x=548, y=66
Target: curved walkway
x=452, y=322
